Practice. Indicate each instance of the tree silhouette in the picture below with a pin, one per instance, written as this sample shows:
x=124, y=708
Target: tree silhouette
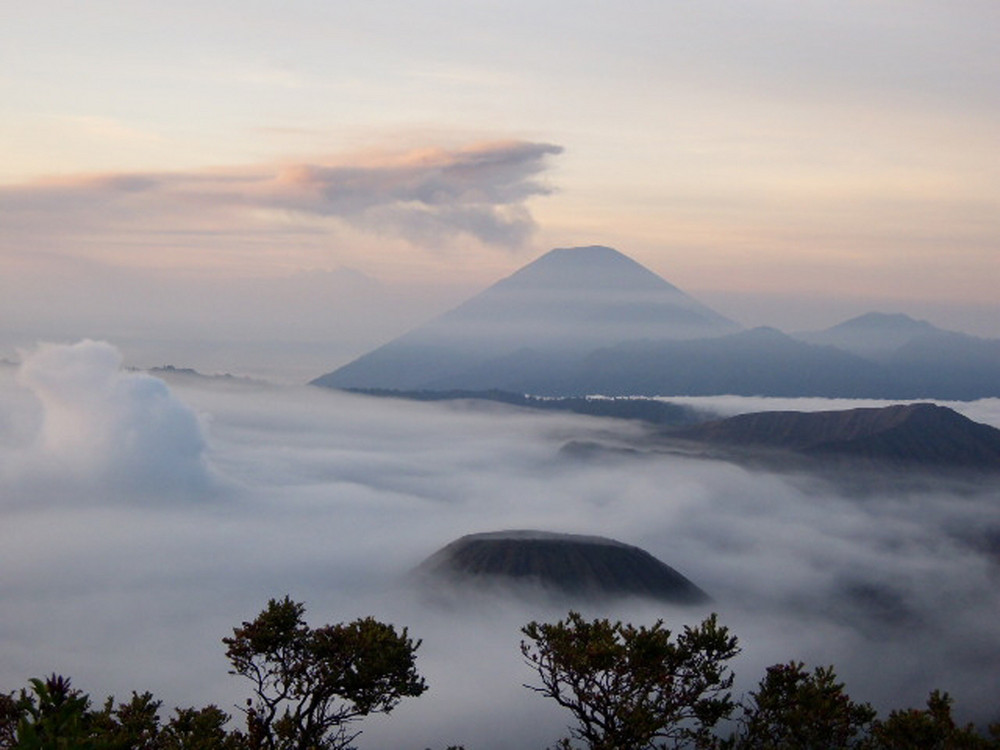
x=932, y=728
x=630, y=687
x=793, y=709
x=311, y=685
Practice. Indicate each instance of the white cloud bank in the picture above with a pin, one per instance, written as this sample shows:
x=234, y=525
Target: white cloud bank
x=105, y=427
x=331, y=498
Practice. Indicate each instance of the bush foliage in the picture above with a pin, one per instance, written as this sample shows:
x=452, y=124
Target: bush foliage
x=627, y=688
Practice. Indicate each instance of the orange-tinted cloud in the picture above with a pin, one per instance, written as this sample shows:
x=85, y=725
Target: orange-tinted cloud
x=427, y=195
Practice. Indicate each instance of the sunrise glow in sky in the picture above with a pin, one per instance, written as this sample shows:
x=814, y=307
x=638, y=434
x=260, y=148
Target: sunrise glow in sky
x=337, y=172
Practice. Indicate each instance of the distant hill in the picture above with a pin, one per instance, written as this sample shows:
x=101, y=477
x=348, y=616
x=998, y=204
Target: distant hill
x=564, y=564
x=539, y=320
x=588, y=320
x=761, y=361
x=917, y=359
x=170, y=372
x=925, y=436
x=947, y=365
x=872, y=335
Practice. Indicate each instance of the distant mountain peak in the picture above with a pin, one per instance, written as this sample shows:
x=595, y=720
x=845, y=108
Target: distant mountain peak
x=596, y=253
x=875, y=335
x=885, y=322
x=763, y=333
x=561, y=306
x=595, y=263
x=591, y=267
x=592, y=253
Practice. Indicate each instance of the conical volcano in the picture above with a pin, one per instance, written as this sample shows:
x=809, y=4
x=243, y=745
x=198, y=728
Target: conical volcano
x=541, y=320
x=584, y=297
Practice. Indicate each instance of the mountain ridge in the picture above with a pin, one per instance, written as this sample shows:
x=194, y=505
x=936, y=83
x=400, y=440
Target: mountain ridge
x=589, y=320
x=920, y=435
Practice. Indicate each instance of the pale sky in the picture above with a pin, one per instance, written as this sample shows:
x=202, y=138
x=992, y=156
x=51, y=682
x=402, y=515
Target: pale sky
x=225, y=170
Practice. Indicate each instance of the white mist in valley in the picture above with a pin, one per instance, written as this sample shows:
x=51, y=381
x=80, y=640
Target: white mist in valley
x=140, y=522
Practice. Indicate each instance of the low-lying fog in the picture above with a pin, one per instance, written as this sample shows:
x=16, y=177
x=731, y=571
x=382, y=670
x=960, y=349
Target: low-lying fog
x=139, y=522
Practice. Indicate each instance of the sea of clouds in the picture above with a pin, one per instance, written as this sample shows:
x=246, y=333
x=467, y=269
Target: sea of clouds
x=141, y=520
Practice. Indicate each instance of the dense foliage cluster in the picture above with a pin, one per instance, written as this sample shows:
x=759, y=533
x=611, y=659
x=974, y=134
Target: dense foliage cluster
x=634, y=687
x=52, y=715
x=311, y=685
x=627, y=688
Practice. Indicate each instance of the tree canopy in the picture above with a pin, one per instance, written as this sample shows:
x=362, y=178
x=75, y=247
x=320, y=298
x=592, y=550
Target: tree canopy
x=627, y=687
x=311, y=685
x=631, y=687
x=793, y=709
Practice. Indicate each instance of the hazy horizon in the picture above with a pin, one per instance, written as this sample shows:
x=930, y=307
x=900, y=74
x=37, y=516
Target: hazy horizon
x=283, y=330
